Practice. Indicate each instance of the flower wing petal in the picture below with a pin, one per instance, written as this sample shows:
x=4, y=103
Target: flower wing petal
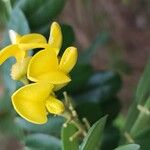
x=55, y=39
x=29, y=102
x=41, y=63
x=11, y=51
x=54, y=106
x=68, y=59
x=31, y=41
x=32, y=38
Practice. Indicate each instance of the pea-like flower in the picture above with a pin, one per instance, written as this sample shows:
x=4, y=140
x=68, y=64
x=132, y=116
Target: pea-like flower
x=45, y=69
x=34, y=101
x=45, y=66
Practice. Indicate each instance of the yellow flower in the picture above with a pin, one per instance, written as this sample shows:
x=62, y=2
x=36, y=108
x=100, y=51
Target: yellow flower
x=45, y=66
x=18, y=49
x=33, y=101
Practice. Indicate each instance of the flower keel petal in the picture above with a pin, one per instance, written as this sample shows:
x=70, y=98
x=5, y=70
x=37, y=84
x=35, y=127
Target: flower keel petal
x=54, y=106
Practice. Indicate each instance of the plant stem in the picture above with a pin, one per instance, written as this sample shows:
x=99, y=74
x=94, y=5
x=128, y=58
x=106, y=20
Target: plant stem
x=71, y=115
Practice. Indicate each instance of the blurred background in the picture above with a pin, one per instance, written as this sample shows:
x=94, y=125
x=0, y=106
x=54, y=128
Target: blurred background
x=127, y=24
x=113, y=39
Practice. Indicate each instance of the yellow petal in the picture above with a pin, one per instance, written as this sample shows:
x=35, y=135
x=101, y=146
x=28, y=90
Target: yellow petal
x=41, y=63
x=59, y=86
x=55, y=39
x=32, y=46
x=32, y=38
x=68, y=59
x=56, y=77
x=14, y=36
x=31, y=41
x=29, y=102
x=54, y=106
x=11, y=51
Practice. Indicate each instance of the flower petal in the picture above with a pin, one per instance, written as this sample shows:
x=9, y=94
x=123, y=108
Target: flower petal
x=29, y=101
x=55, y=106
x=32, y=38
x=11, y=51
x=68, y=59
x=32, y=46
x=31, y=41
x=14, y=36
x=41, y=63
x=55, y=39
x=56, y=77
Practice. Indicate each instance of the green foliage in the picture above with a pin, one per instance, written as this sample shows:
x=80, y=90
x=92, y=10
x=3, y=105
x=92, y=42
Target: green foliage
x=67, y=132
x=42, y=141
x=93, y=139
x=137, y=124
x=111, y=138
x=53, y=126
x=41, y=13
x=80, y=74
x=68, y=36
x=5, y=9
x=142, y=95
x=143, y=139
x=143, y=88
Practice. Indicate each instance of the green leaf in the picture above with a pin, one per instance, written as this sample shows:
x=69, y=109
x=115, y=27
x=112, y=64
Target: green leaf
x=103, y=85
x=41, y=12
x=143, y=119
x=67, y=132
x=68, y=36
x=18, y=22
x=80, y=74
x=93, y=139
x=142, y=95
x=42, y=141
x=5, y=10
x=143, y=88
x=129, y=147
x=111, y=137
x=143, y=139
x=85, y=109
x=53, y=126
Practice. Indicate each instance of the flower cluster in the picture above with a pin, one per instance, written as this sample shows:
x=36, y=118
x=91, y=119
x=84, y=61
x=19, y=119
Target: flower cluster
x=46, y=71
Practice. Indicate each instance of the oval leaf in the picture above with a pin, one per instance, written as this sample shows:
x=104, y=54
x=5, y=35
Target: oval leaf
x=67, y=132
x=94, y=137
x=42, y=141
